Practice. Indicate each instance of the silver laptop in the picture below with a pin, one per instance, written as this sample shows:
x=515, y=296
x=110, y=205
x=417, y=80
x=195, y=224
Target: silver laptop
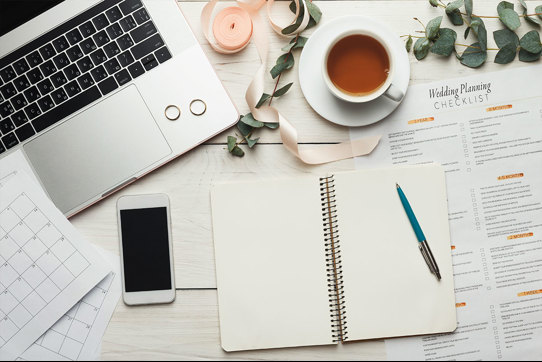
x=84, y=87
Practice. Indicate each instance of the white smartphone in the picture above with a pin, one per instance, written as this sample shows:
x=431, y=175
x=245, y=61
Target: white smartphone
x=146, y=249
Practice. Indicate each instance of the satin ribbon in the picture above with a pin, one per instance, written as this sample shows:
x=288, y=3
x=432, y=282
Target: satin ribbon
x=232, y=40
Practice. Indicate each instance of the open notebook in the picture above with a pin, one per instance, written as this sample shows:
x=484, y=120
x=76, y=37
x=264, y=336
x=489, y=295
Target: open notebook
x=323, y=260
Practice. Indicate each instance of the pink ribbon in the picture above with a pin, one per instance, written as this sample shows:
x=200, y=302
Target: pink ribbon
x=231, y=40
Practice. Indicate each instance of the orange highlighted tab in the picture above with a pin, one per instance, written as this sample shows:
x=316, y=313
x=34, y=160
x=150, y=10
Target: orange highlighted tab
x=520, y=236
x=508, y=177
x=421, y=120
x=532, y=292
x=460, y=305
x=498, y=108
x=453, y=247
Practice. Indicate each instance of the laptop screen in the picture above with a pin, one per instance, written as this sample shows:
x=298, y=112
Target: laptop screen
x=14, y=13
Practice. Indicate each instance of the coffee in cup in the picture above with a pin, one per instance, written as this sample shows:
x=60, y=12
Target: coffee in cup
x=358, y=67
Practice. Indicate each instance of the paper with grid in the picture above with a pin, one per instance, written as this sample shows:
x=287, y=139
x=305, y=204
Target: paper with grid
x=45, y=266
x=78, y=334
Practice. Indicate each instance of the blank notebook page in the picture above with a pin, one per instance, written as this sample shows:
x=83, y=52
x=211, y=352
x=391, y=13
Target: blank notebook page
x=387, y=284
x=271, y=264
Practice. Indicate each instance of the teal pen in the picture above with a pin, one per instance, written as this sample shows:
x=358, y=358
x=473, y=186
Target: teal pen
x=422, y=241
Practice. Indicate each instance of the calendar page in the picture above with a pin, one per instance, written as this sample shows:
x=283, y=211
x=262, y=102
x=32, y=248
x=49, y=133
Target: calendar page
x=45, y=266
x=78, y=334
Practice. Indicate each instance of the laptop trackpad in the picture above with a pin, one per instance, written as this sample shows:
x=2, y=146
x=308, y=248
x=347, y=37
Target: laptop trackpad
x=97, y=150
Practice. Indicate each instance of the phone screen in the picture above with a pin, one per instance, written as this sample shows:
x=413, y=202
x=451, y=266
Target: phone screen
x=145, y=244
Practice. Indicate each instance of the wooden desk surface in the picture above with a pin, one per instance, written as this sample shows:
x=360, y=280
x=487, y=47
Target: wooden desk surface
x=189, y=328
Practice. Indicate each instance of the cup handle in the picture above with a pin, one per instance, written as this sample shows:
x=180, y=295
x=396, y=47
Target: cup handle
x=394, y=93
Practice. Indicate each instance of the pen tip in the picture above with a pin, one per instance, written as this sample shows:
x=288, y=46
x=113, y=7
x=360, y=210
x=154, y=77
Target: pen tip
x=396, y=184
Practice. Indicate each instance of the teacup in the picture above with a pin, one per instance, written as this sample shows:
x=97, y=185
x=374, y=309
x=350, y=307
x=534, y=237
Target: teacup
x=359, y=67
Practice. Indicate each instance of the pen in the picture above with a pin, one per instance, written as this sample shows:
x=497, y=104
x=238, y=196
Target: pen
x=422, y=241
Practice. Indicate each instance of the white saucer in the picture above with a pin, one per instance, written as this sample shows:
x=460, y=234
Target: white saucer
x=318, y=95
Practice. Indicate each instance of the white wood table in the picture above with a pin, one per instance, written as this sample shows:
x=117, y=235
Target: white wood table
x=189, y=328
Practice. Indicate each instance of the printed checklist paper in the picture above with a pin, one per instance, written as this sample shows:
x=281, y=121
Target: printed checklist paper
x=45, y=266
x=486, y=130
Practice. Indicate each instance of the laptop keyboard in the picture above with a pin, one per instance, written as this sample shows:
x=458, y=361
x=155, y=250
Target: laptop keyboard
x=74, y=65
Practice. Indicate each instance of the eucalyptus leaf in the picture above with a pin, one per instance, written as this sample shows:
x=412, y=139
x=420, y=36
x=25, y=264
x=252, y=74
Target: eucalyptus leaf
x=293, y=7
x=510, y=18
x=474, y=56
x=508, y=15
x=505, y=37
x=252, y=142
x=312, y=23
x=300, y=43
x=525, y=56
x=292, y=28
x=272, y=125
x=531, y=42
x=408, y=45
x=434, y=3
x=288, y=47
x=532, y=19
x=284, y=62
x=503, y=5
x=282, y=91
x=506, y=54
x=232, y=143
x=284, y=58
x=314, y=11
x=237, y=151
x=421, y=48
x=249, y=120
x=469, y=7
x=433, y=27
x=244, y=128
x=455, y=5
x=445, y=44
x=538, y=10
x=265, y=98
x=479, y=29
x=456, y=18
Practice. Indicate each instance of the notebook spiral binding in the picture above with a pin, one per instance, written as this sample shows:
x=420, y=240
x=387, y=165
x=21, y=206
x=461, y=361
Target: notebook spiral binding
x=335, y=281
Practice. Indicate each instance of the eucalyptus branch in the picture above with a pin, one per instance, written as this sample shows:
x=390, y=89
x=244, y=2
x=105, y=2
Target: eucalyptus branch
x=490, y=16
x=243, y=139
x=457, y=44
x=290, y=54
x=443, y=41
x=247, y=124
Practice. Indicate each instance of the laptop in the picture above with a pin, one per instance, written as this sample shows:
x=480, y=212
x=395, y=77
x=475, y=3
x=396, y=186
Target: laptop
x=85, y=87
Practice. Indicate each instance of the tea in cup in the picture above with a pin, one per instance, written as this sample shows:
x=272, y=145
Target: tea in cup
x=359, y=67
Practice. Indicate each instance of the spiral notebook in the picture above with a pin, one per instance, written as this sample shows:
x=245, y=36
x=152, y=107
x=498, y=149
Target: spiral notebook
x=324, y=260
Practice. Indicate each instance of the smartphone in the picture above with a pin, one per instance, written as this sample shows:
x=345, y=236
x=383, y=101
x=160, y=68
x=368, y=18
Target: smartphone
x=146, y=249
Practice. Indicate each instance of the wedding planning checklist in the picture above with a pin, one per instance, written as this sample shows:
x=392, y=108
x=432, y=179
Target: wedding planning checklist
x=486, y=130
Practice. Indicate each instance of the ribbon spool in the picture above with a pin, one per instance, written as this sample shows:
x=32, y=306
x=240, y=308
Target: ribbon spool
x=233, y=28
